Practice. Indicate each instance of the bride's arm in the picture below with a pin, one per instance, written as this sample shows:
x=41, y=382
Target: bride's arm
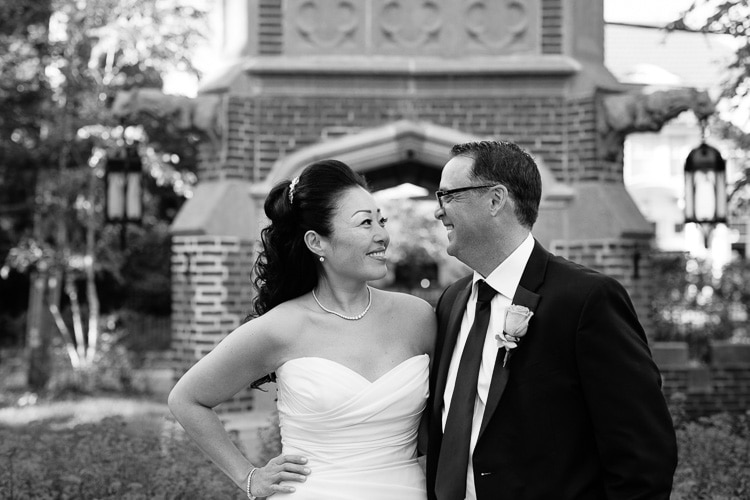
x=249, y=352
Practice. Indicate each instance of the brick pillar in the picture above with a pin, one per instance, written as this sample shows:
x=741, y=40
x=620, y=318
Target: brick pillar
x=211, y=294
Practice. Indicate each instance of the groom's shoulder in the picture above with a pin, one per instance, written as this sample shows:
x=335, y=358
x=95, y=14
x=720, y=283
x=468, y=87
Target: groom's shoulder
x=560, y=269
x=459, y=284
x=450, y=292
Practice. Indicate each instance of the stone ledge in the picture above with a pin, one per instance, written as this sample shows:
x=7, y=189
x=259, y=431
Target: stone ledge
x=728, y=354
x=670, y=355
x=429, y=66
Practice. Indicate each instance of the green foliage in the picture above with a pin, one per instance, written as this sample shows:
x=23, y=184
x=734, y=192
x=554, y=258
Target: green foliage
x=729, y=17
x=693, y=305
x=142, y=333
x=110, y=372
x=12, y=330
x=714, y=453
x=149, y=457
x=111, y=459
x=62, y=63
x=146, y=272
x=415, y=235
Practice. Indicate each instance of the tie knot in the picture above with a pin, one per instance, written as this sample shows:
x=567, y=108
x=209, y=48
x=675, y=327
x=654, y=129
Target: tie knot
x=486, y=292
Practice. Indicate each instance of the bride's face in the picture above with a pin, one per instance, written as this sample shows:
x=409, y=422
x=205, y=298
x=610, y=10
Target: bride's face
x=358, y=241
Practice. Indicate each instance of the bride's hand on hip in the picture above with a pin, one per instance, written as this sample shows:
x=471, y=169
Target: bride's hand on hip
x=265, y=481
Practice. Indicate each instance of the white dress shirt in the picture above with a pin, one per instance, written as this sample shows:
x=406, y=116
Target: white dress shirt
x=504, y=279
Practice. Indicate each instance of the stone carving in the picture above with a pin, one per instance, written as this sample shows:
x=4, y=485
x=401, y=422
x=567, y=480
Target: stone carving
x=509, y=17
x=412, y=27
x=200, y=114
x=623, y=114
x=409, y=24
x=326, y=23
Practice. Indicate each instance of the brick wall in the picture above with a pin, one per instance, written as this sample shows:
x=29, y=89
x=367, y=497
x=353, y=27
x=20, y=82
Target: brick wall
x=721, y=386
x=616, y=258
x=262, y=129
x=582, y=162
x=211, y=291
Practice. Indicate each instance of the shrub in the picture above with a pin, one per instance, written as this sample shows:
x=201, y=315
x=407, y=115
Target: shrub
x=111, y=370
x=714, y=453
x=110, y=459
x=694, y=305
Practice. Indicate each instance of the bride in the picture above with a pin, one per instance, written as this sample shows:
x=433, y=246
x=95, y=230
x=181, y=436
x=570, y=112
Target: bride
x=351, y=361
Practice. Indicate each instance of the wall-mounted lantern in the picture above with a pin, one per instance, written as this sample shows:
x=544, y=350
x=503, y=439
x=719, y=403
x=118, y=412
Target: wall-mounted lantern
x=123, y=177
x=705, y=188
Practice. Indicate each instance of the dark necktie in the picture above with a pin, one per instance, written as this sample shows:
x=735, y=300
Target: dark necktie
x=454, y=450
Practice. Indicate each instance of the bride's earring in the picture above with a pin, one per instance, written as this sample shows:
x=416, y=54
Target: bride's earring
x=321, y=259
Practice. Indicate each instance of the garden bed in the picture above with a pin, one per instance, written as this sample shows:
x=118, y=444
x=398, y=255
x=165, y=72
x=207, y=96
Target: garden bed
x=127, y=448
x=104, y=448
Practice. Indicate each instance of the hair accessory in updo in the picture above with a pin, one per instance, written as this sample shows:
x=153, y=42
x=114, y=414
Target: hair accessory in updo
x=292, y=185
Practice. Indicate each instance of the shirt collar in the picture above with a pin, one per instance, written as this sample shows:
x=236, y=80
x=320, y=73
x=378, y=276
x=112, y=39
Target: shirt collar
x=506, y=277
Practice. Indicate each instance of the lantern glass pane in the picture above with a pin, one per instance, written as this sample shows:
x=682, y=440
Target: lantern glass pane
x=689, y=197
x=134, y=196
x=705, y=195
x=115, y=196
x=721, y=196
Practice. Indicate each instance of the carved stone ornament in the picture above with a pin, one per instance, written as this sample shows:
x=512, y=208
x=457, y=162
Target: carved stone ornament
x=411, y=24
x=623, y=114
x=497, y=24
x=326, y=23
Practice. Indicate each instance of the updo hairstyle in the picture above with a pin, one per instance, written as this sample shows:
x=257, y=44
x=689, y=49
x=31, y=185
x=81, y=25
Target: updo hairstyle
x=285, y=267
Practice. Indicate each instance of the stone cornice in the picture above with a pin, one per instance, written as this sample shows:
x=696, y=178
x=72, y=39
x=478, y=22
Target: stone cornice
x=549, y=65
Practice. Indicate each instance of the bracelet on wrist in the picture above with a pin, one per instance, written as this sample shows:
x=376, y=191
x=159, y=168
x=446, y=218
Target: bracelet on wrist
x=250, y=496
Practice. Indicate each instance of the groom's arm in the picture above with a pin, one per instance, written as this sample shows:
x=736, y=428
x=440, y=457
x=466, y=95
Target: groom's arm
x=622, y=386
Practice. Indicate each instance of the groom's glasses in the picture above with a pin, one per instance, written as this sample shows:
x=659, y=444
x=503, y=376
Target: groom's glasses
x=446, y=196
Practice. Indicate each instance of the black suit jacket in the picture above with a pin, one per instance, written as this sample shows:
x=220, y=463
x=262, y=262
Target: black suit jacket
x=578, y=412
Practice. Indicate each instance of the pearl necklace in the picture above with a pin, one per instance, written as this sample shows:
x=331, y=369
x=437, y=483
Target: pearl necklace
x=343, y=316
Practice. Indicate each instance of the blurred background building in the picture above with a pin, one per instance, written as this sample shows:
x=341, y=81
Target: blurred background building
x=653, y=59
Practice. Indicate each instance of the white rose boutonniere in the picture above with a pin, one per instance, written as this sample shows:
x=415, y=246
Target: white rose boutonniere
x=516, y=323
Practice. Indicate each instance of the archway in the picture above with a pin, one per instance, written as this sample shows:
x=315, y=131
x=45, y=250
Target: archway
x=397, y=153
x=412, y=152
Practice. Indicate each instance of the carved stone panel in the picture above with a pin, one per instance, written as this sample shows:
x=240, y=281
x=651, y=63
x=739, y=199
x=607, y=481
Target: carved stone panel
x=411, y=27
x=324, y=26
x=500, y=26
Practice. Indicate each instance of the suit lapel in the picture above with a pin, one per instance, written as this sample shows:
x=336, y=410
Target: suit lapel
x=531, y=279
x=451, y=334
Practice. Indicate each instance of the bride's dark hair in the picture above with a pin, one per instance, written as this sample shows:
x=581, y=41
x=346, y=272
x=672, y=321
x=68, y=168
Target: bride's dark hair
x=285, y=267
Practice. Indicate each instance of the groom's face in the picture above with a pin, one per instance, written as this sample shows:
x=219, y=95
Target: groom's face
x=463, y=214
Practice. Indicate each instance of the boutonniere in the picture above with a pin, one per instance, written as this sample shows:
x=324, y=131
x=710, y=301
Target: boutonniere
x=516, y=323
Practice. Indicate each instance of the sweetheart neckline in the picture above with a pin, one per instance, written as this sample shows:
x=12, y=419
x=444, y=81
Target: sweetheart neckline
x=353, y=370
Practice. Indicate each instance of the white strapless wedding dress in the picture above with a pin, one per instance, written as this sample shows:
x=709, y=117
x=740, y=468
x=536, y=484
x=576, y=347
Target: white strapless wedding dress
x=360, y=437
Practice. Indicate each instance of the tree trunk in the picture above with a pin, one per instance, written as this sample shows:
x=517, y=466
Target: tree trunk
x=37, y=341
x=91, y=295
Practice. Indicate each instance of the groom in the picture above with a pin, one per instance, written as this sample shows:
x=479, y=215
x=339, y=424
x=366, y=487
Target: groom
x=561, y=399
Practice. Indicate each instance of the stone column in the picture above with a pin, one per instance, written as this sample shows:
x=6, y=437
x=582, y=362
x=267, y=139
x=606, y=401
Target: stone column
x=213, y=252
